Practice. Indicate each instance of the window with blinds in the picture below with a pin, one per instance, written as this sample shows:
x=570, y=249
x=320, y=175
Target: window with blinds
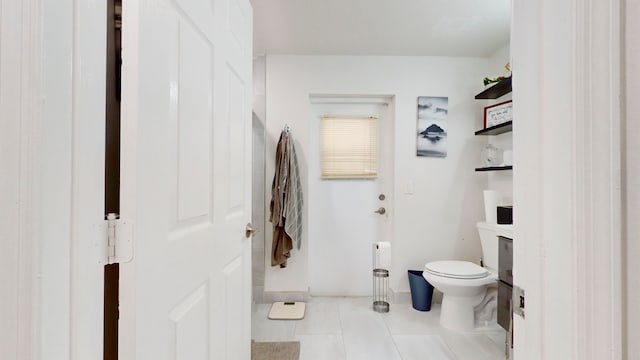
x=348, y=147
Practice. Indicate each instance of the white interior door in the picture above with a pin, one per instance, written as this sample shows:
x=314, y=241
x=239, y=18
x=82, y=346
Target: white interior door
x=186, y=179
x=342, y=223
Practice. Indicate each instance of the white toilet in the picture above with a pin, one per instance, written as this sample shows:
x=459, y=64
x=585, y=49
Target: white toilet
x=463, y=283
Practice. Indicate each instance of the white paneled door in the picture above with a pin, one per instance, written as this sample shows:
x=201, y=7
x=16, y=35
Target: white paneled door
x=186, y=179
x=344, y=214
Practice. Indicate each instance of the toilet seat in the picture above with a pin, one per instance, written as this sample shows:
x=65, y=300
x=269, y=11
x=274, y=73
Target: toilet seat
x=456, y=269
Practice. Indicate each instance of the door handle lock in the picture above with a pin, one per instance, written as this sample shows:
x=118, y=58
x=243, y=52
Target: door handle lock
x=381, y=211
x=249, y=230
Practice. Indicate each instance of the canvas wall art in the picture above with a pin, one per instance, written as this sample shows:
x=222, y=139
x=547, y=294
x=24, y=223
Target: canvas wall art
x=432, y=126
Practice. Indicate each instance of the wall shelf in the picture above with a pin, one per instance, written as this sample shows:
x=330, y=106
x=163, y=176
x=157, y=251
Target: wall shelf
x=497, y=90
x=497, y=129
x=495, y=168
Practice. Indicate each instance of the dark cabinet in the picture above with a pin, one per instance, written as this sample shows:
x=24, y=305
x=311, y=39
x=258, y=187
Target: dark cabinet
x=505, y=285
x=505, y=260
x=504, y=305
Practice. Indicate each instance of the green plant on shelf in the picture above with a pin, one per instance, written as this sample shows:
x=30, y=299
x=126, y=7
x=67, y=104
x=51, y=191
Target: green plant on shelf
x=488, y=80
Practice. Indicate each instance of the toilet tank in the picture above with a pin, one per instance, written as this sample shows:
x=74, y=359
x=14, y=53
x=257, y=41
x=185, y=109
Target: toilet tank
x=489, y=242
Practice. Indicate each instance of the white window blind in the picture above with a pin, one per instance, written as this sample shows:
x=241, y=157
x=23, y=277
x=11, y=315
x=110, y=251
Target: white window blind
x=348, y=147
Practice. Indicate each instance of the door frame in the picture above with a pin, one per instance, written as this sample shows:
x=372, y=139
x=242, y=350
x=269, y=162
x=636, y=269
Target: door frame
x=568, y=197
x=631, y=178
x=61, y=47
x=50, y=25
x=19, y=190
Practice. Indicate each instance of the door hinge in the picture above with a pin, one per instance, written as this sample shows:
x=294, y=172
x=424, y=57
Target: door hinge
x=119, y=240
x=518, y=301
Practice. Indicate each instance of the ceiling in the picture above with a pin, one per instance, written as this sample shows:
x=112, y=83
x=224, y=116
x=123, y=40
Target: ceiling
x=381, y=27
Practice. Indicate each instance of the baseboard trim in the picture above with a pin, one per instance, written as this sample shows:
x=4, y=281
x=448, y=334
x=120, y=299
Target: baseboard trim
x=404, y=297
x=399, y=297
x=267, y=297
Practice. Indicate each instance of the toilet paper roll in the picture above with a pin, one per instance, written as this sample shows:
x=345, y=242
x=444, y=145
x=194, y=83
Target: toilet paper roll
x=491, y=202
x=382, y=255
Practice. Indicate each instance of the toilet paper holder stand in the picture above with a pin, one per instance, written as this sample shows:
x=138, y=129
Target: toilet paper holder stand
x=381, y=290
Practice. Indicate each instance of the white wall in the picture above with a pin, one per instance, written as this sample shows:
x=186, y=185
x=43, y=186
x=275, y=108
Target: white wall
x=438, y=220
x=497, y=61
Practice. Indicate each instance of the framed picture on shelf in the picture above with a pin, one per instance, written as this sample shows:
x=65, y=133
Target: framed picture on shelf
x=498, y=113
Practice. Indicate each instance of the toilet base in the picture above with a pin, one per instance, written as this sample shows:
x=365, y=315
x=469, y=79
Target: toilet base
x=457, y=312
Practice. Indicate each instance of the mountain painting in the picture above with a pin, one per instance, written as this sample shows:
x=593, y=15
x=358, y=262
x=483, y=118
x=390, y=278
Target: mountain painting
x=432, y=126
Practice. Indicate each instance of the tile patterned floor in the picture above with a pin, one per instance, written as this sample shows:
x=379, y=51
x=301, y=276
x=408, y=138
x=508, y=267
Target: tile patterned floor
x=344, y=328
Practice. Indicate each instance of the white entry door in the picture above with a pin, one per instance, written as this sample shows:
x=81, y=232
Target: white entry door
x=186, y=179
x=343, y=223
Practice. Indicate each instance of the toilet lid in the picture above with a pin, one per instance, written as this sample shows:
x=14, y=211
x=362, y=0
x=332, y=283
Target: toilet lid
x=456, y=269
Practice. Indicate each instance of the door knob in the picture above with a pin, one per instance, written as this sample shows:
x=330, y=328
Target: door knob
x=249, y=230
x=381, y=211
